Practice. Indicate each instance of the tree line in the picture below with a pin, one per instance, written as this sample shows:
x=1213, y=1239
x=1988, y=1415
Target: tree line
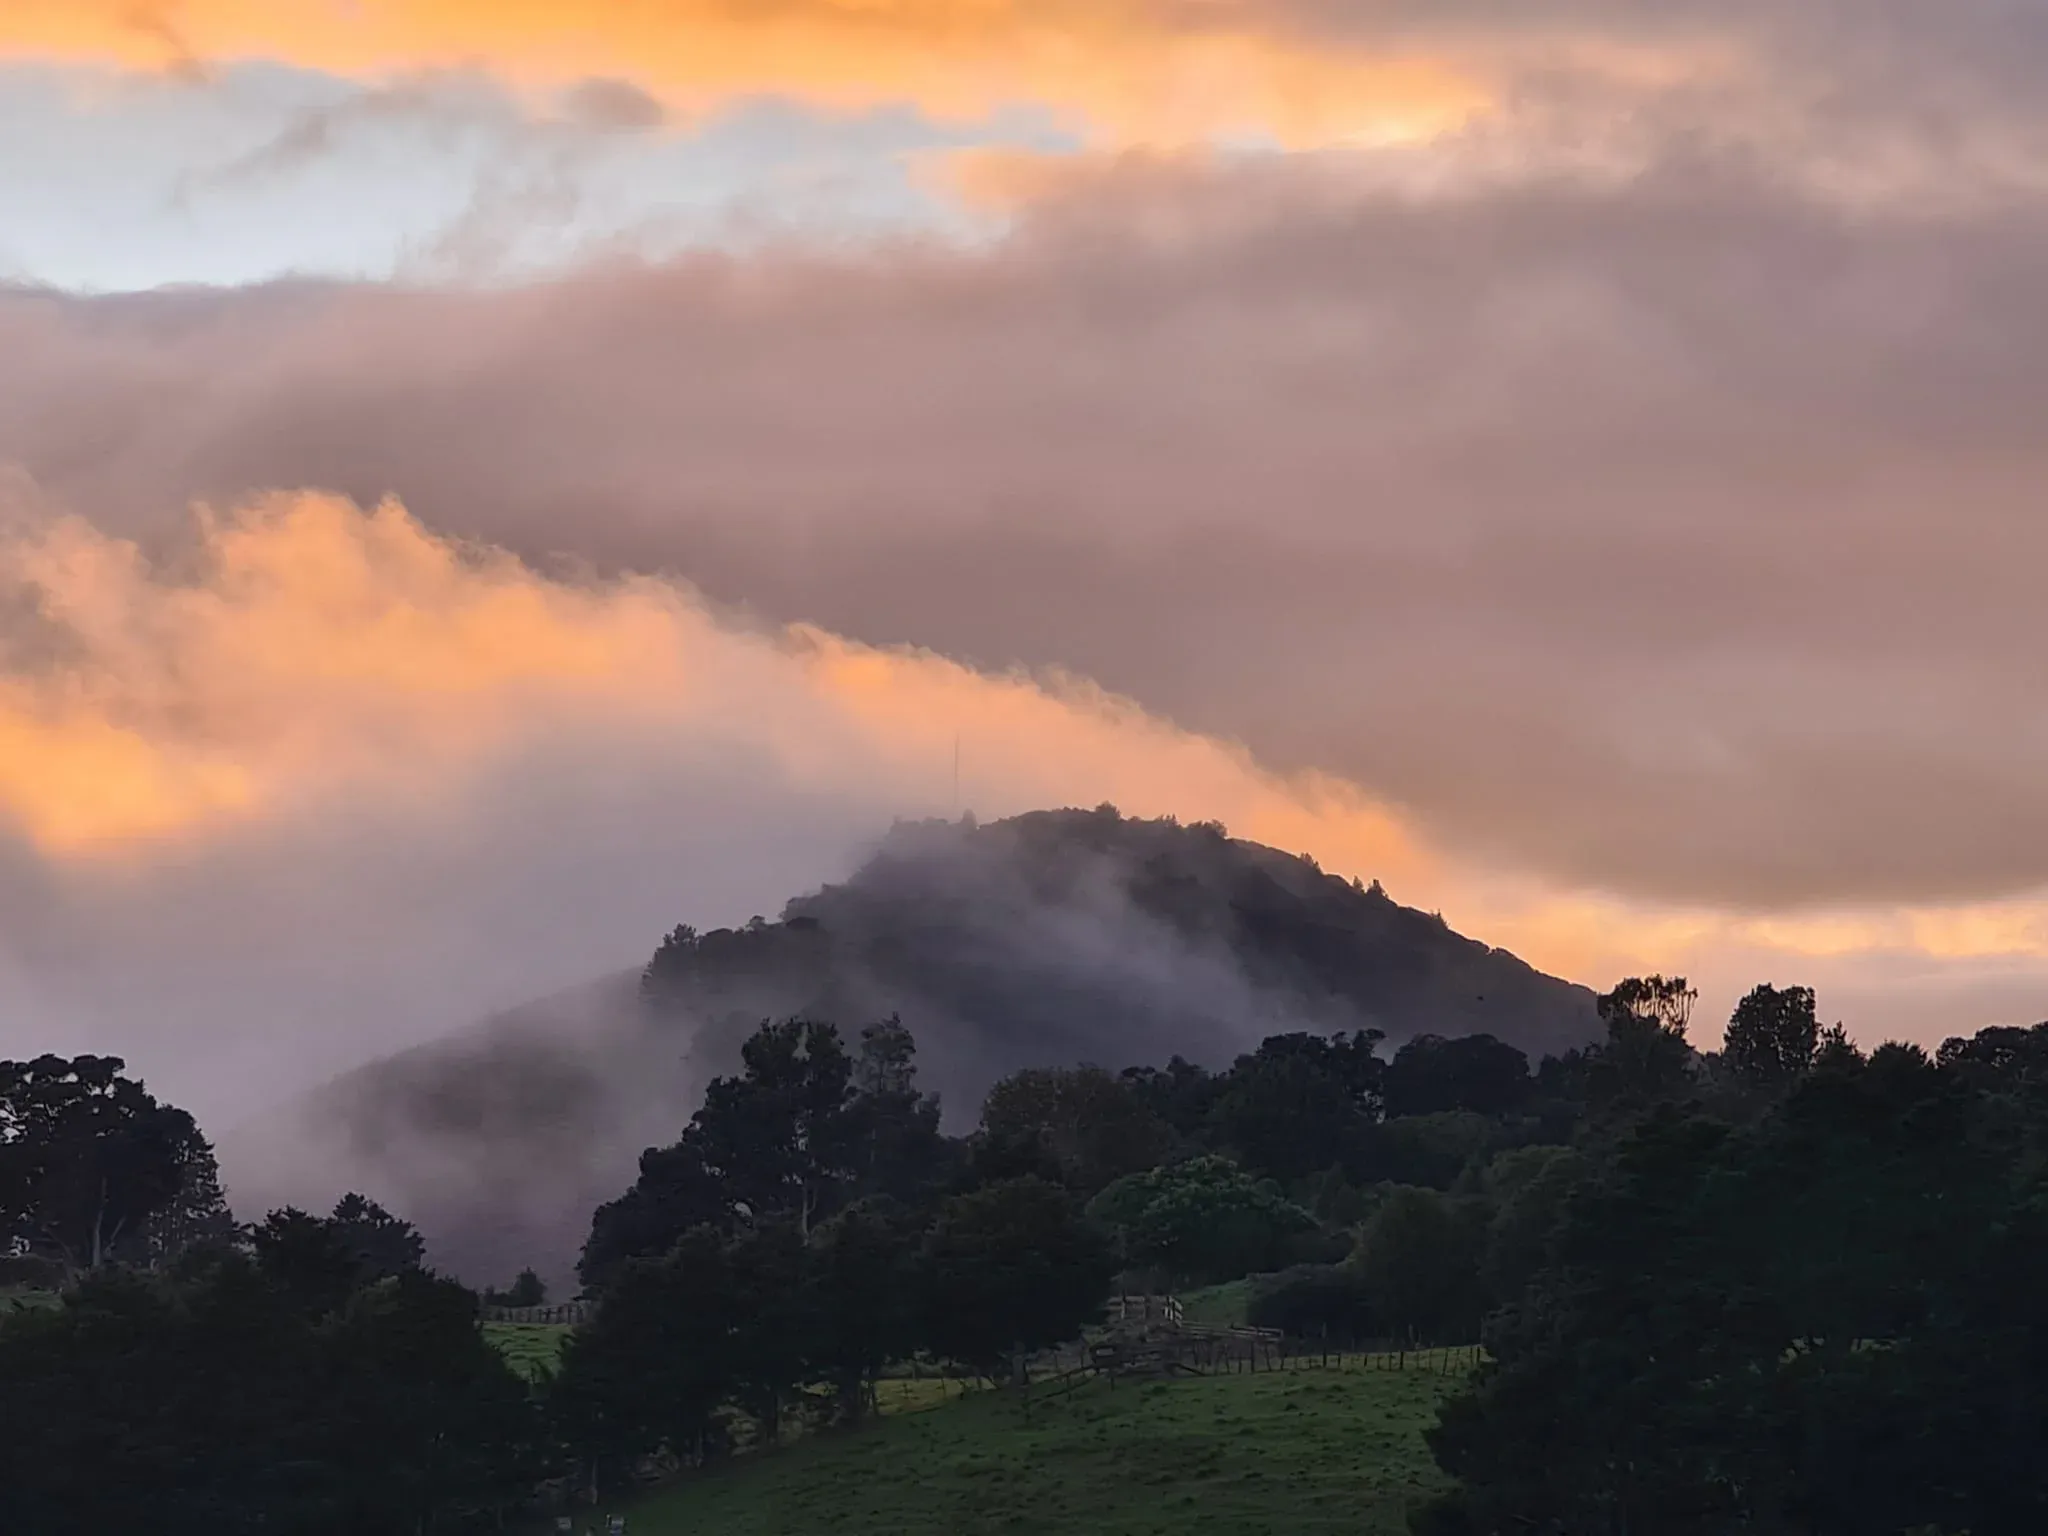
x=1781, y=1286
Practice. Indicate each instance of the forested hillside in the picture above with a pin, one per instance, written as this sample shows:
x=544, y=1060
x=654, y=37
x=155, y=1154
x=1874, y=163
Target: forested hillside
x=1044, y=940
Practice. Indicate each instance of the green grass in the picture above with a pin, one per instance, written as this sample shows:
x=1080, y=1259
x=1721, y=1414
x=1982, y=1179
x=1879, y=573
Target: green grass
x=1304, y=1453
x=531, y=1349
x=1222, y=1305
x=13, y=1296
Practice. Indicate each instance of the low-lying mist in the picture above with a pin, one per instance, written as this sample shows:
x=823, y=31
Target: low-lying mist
x=1049, y=939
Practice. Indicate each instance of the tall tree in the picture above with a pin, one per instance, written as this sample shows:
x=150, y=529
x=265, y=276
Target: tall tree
x=1645, y=1056
x=801, y=1131
x=1772, y=1035
x=87, y=1159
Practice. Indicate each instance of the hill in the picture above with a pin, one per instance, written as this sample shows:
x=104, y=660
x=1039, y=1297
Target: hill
x=1065, y=936
x=1305, y=1453
x=1048, y=939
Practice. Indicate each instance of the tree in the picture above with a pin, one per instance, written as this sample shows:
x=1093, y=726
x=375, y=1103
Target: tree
x=654, y=1362
x=800, y=1132
x=1477, y=1072
x=1180, y=1093
x=1009, y=1269
x=1088, y=1125
x=1645, y=1055
x=226, y=1407
x=896, y=1150
x=87, y=1159
x=1418, y=1260
x=777, y=1134
x=863, y=1312
x=1823, y=1320
x=1527, y=1190
x=1201, y=1221
x=1772, y=1035
x=383, y=1245
x=197, y=1217
x=320, y=1260
x=775, y=1339
x=1314, y=1300
x=1298, y=1105
x=422, y=1414
x=526, y=1290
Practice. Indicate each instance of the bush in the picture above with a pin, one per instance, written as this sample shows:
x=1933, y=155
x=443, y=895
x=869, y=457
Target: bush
x=1313, y=1300
x=1204, y=1220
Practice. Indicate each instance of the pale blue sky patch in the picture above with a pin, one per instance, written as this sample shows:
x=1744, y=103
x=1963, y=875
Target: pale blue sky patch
x=119, y=183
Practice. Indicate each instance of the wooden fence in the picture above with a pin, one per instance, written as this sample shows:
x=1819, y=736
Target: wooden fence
x=567, y=1313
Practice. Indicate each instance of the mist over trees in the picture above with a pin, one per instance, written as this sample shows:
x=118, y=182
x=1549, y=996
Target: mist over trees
x=1781, y=1286
x=1040, y=942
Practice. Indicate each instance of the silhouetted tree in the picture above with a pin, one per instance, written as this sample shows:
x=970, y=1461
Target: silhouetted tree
x=1298, y=1105
x=1772, y=1035
x=1645, y=1055
x=800, y=1132
x=88, y=1158
x=382, y=1244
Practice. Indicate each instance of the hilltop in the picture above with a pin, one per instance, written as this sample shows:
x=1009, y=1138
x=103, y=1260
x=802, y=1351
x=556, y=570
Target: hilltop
x=1064, y=936
x=1046, y=939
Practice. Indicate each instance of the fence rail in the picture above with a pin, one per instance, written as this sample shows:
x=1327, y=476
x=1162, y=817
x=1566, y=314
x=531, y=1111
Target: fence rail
x=562, y=1313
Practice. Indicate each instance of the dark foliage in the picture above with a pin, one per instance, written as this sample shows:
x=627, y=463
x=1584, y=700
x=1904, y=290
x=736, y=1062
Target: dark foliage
x=802, y=1130
x=217, y=1403
x=1327, y=1301
x=1477, y=1073
x=95, y=1170
x=1008, y=1269
x=1822, y=1321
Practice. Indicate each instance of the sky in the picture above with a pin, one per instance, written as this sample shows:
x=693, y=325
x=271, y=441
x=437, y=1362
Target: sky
x=482, y=481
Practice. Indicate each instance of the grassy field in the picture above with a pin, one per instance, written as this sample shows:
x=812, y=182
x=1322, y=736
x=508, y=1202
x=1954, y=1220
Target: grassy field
x=532, y=1349
x=1305, y=1453
x=1221, y=1305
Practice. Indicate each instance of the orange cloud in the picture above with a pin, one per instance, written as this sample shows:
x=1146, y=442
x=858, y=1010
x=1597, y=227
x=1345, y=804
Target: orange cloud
x=307, y=653
x=312, y=647
x=1127, y=70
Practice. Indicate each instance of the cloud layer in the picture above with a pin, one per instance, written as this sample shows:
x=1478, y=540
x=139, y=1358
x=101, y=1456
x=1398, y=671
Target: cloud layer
x=1593, y=483
x=1672, y=537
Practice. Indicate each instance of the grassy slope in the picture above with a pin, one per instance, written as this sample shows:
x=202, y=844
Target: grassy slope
x=1306, y=1453
x=1223, y=1304
x=532, y=1349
